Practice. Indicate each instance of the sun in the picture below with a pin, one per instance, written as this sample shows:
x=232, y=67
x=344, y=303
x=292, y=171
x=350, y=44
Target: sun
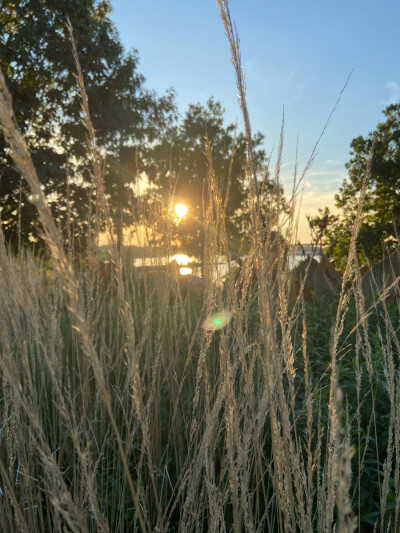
x=181, y=210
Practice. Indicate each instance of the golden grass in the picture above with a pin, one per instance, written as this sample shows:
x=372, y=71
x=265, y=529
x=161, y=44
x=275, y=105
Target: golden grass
x=119, y=412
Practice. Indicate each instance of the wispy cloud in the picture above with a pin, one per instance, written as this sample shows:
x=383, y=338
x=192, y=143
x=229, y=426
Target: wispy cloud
x=322, y=173
x=253, y=69
x=315, y=180
x=318, y=190
x=310, y=202
x=313, y=200
x=296, y=83
x=290, y=164
x=394, y=89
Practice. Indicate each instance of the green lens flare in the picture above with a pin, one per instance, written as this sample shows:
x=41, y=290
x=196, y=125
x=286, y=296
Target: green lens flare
x=217, y=321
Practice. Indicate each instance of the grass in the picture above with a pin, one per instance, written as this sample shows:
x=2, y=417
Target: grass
x=120, y=412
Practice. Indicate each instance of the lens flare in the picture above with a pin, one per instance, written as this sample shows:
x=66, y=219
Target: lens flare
x=185, y=271
x=217, y=321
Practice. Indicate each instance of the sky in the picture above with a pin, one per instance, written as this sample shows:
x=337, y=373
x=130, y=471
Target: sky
x=296, y=57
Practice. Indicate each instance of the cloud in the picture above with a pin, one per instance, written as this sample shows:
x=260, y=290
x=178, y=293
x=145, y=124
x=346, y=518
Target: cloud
x=318, y=191
x=296, y=84
x=253, y=69
x=310, y=202
x=313, y=200
x=322, y=173
x=290, y=164
x=394, y=89
x=320, y=181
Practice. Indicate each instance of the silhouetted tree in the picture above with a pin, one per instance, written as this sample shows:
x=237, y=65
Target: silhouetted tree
x=178, y=167
x=381, y=213
x=36, y=58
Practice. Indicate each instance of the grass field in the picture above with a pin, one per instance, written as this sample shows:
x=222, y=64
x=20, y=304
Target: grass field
x=121, y=412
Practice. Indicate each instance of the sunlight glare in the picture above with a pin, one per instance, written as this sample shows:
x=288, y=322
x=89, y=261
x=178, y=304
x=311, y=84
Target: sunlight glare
x=181, y=210
x=181, y=259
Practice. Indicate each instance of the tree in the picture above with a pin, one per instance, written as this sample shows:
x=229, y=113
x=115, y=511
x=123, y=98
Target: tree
x=380, y=228
x=178, y=168
x=36, y=58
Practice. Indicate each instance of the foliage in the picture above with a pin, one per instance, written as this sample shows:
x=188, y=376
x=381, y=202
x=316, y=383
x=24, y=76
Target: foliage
x=379, y=232
x=55, y=426
x=363, y=382
x=36, y=58
x=178, y=166
x=319, y=226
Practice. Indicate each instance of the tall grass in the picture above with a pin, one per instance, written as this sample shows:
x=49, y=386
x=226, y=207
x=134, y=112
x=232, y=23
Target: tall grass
x=120, y=412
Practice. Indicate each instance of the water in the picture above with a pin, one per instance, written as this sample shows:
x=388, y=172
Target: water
x=221, y=262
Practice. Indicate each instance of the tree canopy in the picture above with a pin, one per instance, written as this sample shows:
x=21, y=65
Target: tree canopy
x=178, y=167
x=380, y=228
x=138, y=131
x=37, y=60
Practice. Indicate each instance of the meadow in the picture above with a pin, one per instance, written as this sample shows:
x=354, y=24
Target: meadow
x=128, y=404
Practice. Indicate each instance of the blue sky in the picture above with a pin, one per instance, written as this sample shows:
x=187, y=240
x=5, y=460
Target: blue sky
x=295, y=54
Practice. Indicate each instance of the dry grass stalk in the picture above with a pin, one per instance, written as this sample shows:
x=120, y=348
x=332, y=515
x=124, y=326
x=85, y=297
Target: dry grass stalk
x=211, y=430
x=25, y=165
